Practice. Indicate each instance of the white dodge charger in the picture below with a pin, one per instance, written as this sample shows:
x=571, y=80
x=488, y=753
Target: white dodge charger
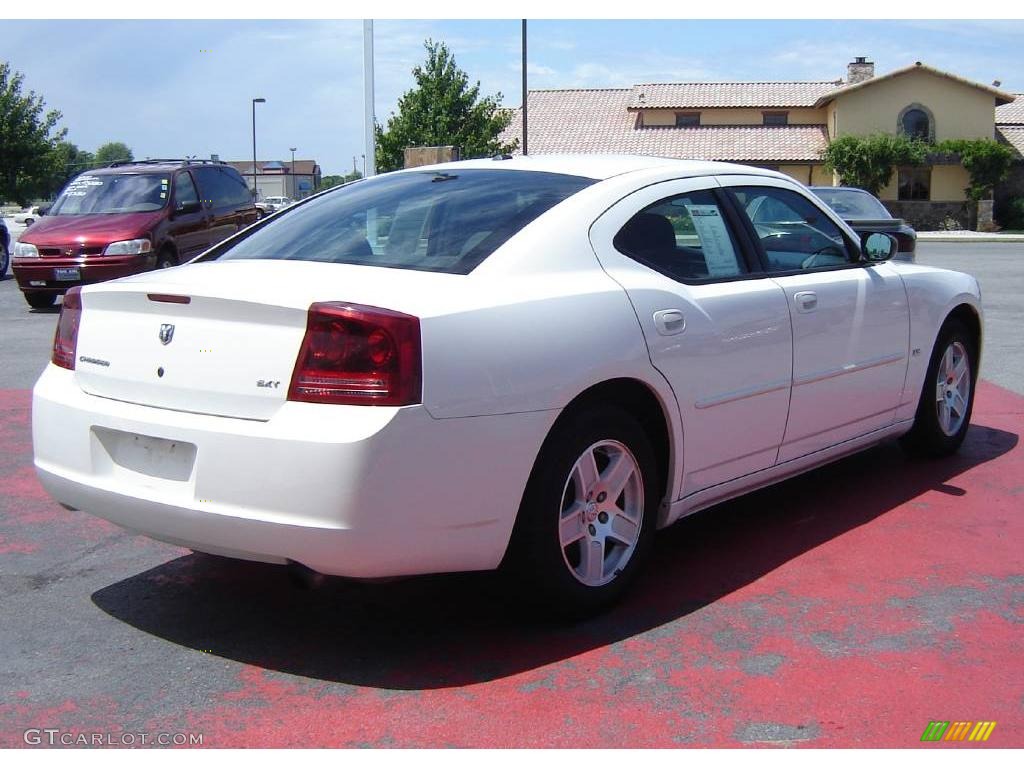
x=530, y=363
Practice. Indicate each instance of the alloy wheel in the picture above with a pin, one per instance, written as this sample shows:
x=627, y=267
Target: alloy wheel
x=953, y=388
x=602, y=513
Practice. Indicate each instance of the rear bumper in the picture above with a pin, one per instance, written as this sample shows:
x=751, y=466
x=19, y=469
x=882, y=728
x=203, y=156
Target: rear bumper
x=38, y=274
x=346, y=490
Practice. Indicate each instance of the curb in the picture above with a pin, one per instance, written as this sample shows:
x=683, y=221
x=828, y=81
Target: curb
x=929, y=238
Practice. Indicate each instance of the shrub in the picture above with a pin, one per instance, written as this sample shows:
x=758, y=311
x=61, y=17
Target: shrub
x=1010, y=213
x=868, y=161
x=986, y=160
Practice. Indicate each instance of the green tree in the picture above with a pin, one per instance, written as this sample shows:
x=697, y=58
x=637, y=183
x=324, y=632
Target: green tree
x=68, y=162
x=868, y=161
x=113, y=152
x=28, y=140
x=333, y=180
x=443, y=109
x=986, y=160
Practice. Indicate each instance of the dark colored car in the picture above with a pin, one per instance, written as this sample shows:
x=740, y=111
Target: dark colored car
x=129, y=218
x=5, y=248
x=866, y=214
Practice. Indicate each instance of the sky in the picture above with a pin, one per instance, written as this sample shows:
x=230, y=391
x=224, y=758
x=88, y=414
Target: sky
x=177, y=88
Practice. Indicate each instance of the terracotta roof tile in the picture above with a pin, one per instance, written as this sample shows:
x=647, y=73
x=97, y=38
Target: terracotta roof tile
x=712, y=95
x=584, y=121
x=1014, y=136
x=1011, y=113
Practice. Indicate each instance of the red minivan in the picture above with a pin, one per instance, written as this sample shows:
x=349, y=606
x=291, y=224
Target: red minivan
x=128, y=218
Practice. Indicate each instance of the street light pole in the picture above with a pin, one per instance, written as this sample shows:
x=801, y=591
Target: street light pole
x=293, y=172
x=525, y=91
x=254, y=103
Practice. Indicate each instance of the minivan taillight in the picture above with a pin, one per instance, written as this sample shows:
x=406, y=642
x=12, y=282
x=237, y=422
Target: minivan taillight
x=357, y=355
x=65, y=340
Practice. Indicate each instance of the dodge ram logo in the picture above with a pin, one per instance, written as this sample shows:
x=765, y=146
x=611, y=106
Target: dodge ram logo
x=166, y=333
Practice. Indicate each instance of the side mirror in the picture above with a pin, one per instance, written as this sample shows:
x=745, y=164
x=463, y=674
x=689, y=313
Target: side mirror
x=187, y=207
x=878, y=246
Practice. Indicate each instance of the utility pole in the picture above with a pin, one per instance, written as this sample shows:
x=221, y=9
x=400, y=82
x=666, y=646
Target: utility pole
x=525, y=92
x=371, y=153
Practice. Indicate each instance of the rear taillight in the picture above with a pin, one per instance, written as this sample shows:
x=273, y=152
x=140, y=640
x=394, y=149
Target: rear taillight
x=65, y=341
x=356, y=355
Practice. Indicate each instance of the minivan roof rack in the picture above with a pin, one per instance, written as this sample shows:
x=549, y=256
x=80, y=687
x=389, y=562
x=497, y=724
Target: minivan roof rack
x=166, y=161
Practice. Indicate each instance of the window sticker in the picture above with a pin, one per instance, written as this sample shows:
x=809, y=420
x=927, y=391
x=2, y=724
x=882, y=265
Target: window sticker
x=714, y=240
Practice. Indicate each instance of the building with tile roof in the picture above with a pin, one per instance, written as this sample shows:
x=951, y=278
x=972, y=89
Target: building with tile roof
x=785, y=125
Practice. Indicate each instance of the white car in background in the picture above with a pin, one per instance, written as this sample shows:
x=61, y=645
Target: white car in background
x=27, y=216
x=530, y=363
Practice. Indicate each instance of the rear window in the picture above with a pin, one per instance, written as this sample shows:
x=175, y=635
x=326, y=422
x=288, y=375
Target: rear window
x=852, y=203
x=436, y=221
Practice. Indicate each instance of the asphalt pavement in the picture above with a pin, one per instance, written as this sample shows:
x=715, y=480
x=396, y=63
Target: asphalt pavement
x=848, y=607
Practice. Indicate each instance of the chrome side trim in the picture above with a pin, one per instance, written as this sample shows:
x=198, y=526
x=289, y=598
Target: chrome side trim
x=849, y=368
x=742, y=394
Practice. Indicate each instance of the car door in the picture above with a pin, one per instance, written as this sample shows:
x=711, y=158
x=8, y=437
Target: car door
x=851, y=323
x=188, y=226
x=716, y=327
x=219, y=203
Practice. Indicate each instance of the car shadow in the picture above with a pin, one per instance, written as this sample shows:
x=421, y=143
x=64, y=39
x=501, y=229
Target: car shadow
x=454, y=630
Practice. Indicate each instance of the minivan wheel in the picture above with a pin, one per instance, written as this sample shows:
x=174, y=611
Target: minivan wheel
x=947, y=398
x=5, y=260
x=40, y=300
x=588, y=515
x=166, y=259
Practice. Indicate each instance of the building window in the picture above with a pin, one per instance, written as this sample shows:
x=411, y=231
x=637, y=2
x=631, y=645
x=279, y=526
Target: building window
x=915, y=183
x=687, y=119
x=776, y=118
x=916, y=122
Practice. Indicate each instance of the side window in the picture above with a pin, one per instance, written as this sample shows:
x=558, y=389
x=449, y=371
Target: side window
x=184, y=190
x=207, y=180
x=236, y=190
x=684, y=237
x=794, y=233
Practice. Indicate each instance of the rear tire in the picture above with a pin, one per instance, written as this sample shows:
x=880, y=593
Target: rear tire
x=947, y=397
x=576, y=549
x=40, y=300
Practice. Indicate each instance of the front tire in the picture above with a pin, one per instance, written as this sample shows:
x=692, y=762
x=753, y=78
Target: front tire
x=166, y=259
x=947, y=398
x=587, y=519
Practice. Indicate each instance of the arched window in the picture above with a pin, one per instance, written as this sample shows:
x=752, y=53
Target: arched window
x=916, y=122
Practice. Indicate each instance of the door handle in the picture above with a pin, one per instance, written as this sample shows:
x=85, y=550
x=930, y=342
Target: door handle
x=806, y=301
x=669, y=322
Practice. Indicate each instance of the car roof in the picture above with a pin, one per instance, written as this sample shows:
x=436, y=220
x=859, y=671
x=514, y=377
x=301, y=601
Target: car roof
x=827, y=188
x=598, y=166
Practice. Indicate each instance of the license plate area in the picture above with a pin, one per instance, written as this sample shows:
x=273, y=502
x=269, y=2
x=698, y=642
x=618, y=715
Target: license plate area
x=143, y=458
x=67, y=273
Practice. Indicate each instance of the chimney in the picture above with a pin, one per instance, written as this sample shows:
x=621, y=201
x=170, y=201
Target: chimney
x=859, y=70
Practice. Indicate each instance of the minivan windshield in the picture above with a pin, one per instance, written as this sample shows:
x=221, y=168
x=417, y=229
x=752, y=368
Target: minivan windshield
x=432, y=220
x=113, y=193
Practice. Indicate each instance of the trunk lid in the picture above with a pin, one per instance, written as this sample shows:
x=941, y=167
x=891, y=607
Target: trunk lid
x=230, y=351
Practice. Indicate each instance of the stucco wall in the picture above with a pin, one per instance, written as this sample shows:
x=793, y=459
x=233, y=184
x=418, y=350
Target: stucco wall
x=948, y=183
x=811, y=175
x=799, y=116
x=960, y=111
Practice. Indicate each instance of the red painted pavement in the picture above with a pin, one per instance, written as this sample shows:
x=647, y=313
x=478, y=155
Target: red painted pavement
x=848, y=607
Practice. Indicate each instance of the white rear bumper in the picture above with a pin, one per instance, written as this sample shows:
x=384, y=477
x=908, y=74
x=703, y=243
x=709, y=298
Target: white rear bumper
x=346, y=490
